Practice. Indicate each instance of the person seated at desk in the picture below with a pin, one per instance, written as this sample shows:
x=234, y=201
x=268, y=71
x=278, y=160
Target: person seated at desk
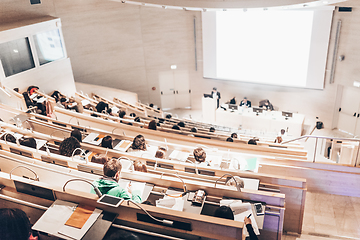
x=265, y=104
x=14, y=224
x=71, y=104
x=212, y=129
x=252, y=142
x=28, y=142
x=122, y=113
x=234, y=135
x=139, y=166
x=106, y=142
x=175, y=127
x=245, y=102
x=108, y=184
x=200, y=156
x=139, y=143
x=181, y=124
x=193, y=130
x=224, y=212
x=232, y=101
x=68, y=146
x=252, y=235
x=152, y=125
x=238, y=182
x=76, y=134
x=229, y=139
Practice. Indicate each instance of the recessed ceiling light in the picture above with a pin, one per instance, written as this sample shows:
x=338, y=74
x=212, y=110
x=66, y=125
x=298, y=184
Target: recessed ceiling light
x=173, y=67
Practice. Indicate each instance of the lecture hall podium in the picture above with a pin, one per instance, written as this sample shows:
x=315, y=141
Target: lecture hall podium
x=208, y=109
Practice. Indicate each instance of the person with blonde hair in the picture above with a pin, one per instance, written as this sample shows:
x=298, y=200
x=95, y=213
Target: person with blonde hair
x=139, y=166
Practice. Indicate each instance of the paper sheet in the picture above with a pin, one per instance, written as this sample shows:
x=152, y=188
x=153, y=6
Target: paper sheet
x=76, y=233
x=178, y=203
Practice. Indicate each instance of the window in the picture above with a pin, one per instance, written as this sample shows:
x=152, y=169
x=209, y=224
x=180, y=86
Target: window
x=48, y=46
x=16, y=56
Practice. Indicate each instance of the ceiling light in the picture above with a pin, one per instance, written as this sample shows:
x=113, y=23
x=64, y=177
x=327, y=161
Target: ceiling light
x=173, y=67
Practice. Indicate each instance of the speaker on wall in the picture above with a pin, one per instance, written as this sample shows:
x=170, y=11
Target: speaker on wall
x=345, y=9
x=35, y=2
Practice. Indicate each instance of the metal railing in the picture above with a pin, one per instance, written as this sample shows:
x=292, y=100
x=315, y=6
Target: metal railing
x=331, y=138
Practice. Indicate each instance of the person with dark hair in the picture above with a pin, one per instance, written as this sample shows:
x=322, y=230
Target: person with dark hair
x=10, y=138
x=106, y=142
x=139, y=166
x=108, y=184
x=99, y=158
x=132, y=115
x=160, y=154
x=161, y=120
x=137, y=119
x=129, y=123
x=175, y=127
x=101, y=106
x=62, y=103
x=252, y=141
x=212, y=129
x=14, y=224
x=152, y=125
x=56, y=95
x=139, y=143
x=168, y=116
x=181, y=124
x=234, y=135
x=265, y=104
x=151, y=105
x=28, y=142
x=224, y=212
x=68, y=146
x=216, y=95
x=229, y=139
x=76, y=134
x=199, y=155
x=233, y=100
x=252, y=235
x=122, y=235
x=245, y=102
x=122, y=113
x=29, y=103
x=194, y=130
x=16, y=89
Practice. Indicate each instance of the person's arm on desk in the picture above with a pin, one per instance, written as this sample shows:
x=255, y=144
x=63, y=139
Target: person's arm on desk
x=250, y=229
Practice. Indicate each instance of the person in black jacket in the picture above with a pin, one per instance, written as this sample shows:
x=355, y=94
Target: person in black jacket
x=245, y=102
x=252, y=235
x=216, y=95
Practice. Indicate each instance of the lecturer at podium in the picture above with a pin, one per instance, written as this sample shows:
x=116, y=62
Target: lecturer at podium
x=216, y=95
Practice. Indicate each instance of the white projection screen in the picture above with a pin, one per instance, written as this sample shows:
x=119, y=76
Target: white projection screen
x=276, y=47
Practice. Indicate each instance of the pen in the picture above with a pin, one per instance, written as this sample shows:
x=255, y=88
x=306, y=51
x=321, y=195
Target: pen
x=249, y=215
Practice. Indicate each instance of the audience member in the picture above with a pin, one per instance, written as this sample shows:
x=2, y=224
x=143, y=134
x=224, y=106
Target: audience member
x=137, y=119
x=233, y=100
x=168, y=116
x=139, y=166
x=10, y=138
x=76, y=134
x=234, y=135
x=224, y=212
x=122, y=113
x=68, y=146
x=212, y=129
x=245, y=102
x=152, y=125
x=199, y=155
x=194, y=130
x=229, y=139
x=252, y=235
x=132, y=115
x=139, y=143
x=28, y=142
x=265, y=104
x=151, y=105
x=101, y=106
x=16, y=89
x=181, y=124
x=14, y=225
x=175, y=127
x=99, y=158
x=278, y=139
x=108, y=184
x=160, y=154
x=252, y=141
x=238, y=182
x=106, y=142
